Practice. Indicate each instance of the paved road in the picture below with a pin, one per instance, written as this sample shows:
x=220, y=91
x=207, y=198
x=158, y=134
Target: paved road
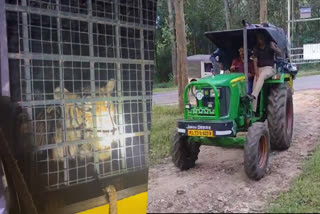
x=301, y=83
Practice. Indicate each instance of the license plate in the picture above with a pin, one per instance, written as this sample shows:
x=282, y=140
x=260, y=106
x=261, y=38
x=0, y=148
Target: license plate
x=200, y=133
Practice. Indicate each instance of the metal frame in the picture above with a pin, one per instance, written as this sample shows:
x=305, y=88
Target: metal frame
x=245, y=46
x=102, y=200
x=296, y=53
x=5, y=87
x=134, y=98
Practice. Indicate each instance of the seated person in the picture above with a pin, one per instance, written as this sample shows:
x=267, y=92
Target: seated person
x=223, y=57
x=214, y=58
x=263, y=60
x=238, y=66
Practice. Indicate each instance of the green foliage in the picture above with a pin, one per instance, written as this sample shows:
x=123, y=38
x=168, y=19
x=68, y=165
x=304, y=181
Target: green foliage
x=164, y=119
x=165, y=86
x=277, y=13
x=309, y=69
x=304, y=195
x=203, y=16
x=162, y=44
x=306, y=32
x=163, y=53
x=209, y=15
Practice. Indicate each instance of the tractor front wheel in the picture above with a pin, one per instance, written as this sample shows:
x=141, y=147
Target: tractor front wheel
x=256, y=151
x=184, y=153
x=280, y=116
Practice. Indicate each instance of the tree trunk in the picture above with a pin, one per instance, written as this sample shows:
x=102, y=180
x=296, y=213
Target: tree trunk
x=263, y=10
x=227, y=13
x=181, y=50
x=173, y=43
x=194, y=46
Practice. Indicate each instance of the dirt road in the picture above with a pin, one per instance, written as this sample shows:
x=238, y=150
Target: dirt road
x=218, y=182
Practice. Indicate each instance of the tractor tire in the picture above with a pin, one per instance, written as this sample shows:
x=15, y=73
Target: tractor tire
x=280, y=116
x=256, y=151
x=184, y=153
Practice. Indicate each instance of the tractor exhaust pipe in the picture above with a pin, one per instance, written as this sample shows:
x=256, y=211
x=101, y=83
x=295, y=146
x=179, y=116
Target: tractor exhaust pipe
x=245, y=48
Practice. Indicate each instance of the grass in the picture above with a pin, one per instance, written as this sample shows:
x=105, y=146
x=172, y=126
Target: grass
x=304, y=73
x=308, y=70
x=304, y=194
x=159, y=90
x=164, y=87
x=163, y=124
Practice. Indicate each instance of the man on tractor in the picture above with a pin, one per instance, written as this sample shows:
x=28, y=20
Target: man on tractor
x=263, y=59
x=217, y=108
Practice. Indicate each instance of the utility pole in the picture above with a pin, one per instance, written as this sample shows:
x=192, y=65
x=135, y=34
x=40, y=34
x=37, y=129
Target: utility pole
x=181, y=51
x=289, y=29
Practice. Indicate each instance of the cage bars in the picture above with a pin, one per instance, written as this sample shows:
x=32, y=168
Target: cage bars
x=81, y=48
x=5, y=87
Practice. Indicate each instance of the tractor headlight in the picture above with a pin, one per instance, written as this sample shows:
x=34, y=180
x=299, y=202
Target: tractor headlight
x=212, y=94
x=188, y=106
x=210, y=105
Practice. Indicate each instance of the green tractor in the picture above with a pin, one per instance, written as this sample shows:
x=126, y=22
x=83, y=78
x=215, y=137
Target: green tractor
x=217, y=107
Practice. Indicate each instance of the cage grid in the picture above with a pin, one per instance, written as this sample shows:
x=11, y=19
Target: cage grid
x=83, y=70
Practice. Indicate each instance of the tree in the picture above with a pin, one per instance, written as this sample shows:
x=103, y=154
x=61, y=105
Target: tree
x=181, y=50
x=173, y=43
x=163, y=66
x=209, y=15
x=202, y=16
x=227, y=13
x=263, y=10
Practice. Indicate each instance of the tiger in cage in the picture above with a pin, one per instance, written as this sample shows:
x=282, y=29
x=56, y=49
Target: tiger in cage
x=78, y=119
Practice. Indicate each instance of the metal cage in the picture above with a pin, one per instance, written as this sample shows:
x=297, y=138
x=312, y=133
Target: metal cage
x=83, y=71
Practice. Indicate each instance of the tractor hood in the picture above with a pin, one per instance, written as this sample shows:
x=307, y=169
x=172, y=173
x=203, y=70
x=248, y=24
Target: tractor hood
x=221, y=79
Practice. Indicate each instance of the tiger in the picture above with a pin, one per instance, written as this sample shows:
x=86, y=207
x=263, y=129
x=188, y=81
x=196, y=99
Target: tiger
x=79, y=125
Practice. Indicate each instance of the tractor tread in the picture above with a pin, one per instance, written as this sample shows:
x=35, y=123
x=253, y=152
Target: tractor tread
x=251, y=151
x=277, y=123
x=184, y=153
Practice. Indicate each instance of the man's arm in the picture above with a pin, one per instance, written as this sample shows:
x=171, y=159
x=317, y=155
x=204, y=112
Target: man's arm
x=275, y=48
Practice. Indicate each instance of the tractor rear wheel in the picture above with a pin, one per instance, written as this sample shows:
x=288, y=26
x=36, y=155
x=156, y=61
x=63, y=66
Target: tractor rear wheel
x=256, y=151
x=280, y=116
x=184, y=153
